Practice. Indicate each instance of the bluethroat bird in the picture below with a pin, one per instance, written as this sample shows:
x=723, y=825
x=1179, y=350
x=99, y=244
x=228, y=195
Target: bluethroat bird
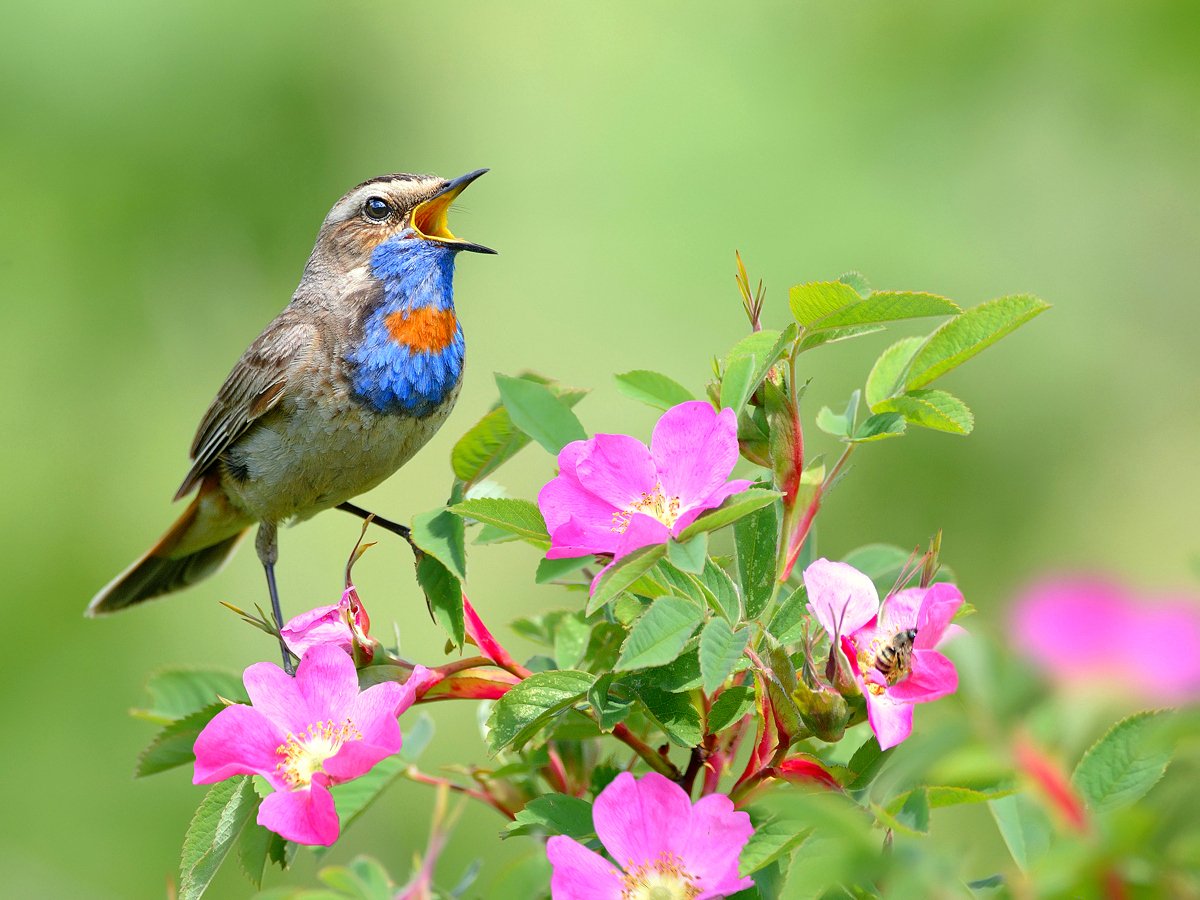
x=337, y=393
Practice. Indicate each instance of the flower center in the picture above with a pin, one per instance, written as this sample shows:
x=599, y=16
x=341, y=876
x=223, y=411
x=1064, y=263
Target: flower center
x=304, y=755
x=655, y=504
x=663, y=879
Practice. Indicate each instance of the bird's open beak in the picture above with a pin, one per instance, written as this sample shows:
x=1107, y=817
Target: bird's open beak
x=429, y=218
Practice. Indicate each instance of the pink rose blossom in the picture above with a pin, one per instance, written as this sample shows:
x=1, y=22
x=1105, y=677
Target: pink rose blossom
x=614, y=495
x=1096, y=634
x=344, y=624
x=845, y=602
x=303, y=735
x=665, y=845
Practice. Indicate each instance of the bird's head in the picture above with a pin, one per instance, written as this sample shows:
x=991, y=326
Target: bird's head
x=407, y=211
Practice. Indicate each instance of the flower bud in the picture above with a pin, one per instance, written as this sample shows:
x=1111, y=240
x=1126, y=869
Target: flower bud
x=823, y=712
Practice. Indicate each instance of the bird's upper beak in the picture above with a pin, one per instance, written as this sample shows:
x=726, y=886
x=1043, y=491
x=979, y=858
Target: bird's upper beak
x=429, y=217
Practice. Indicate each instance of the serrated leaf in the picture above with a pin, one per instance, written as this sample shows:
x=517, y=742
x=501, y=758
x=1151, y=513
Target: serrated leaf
x=219, y=820
x=680, y=674
x=889, y=306
x=856, y=280
x=720, y=591
x=173, y=745
x=494, y=440
x=611, y=700
x=887, y=375
x=549, y=570
x=834, y=335
x=720, y=649
x=535, y=410
x=531, y=703
x=787, y=624
x=1024, y=827
x=734, y=508
x=937, y=410
x=867, y=762
x=653, y=388
x=689, y=556
x=175, y=693
x=673, y=713
x=878, y=427
x=748, y=363
x=756, y=540
x=732, y=704
x=553, y=814
x=519, y=517
x=658, y=636
x=1125, y=764
x=253, y=846
x=443, y=593
x=770, y=841
x=571, y=635
x=814, y=301
x=623, y=573
x=440, y=534
x=967, y=334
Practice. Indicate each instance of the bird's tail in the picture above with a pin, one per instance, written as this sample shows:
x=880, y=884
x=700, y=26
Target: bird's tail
x=196, y=546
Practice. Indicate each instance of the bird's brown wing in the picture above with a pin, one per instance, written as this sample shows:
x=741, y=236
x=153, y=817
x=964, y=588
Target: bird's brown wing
x=254, y=387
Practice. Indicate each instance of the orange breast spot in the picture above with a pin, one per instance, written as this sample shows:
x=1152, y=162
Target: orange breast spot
x=424, y=329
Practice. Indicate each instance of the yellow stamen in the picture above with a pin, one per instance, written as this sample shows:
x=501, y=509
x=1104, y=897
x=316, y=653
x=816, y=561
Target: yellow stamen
x=304, y=755
x=663, y=879
x=656, y=505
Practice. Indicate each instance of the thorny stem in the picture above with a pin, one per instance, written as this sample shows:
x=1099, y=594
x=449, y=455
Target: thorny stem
x=653, y=758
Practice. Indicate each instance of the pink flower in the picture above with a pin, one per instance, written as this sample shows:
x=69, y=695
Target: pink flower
x=304, y=734
x=1093, y=633
x=614, y=495
x=344, y=624
x=877, y=639
x=665, y=845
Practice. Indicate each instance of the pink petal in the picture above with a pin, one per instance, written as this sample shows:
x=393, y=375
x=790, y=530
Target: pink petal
x=617, y=469
x=328, y=682
x=580, y=538
x=323, y=625
x=276, y=695
x=715, y=499
x=580, y=873
x=638, y=820
x=306, y=817
x=564, y=498
x=373, y=713
x=891, y=721
x=716, y=834
x=900, y=610
x=842, y=598
x=941, y=602
x=239, y=740
x=694, y=449
x=642, y=531
x=933, y=676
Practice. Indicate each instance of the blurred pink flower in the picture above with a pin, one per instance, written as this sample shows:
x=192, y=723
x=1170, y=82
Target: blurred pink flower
x=665, y=845
x=1094, y=633
x=344, y=624
x=845, y=602
x=613, y=494
x=304, y=734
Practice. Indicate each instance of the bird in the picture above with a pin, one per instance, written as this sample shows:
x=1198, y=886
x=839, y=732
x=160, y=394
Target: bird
x=339, y=391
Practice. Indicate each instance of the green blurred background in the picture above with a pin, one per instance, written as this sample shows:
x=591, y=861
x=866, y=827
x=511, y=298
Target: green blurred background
x=164, y=168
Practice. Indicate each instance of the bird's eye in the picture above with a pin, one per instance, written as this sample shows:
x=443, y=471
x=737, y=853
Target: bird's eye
x=376, y=209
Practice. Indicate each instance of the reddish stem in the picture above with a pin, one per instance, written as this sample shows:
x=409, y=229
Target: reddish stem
x=412, y=773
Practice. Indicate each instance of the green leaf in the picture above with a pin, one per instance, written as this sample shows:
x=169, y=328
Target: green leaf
x=689, y=556
x=519, y=517
x=878, y=427
x=659, y=635
x=1125, y=764
x=787, y=624
x=549, y=570
x=539, y=413
x=931, y=409
x=771, y=840
x=611, y=701
x=940, y=796
x=680, y=674
x=720, y=649
x=756, y=540
x=571, y=635
x=968, y=334
x=866, y=763
x=888, y=306
x=673, y=713
x=856, y=280
x=173, y=745
x=887, y=375
x=441, y=535
x=553, y=814
x=833, y=335
x=623, y=573
x=878, y=561
x=253, y=846
x=720, y=591
x=494, y=440
x=734, y=508
x=1024, y=827
x=530, y=703
x=839, y=424
x=914, y=813
x=223, y=813
x=748, y=364
x=653, y=388
x=814, y=301
x=175, y=693
x=443, y=593
x=733, y=703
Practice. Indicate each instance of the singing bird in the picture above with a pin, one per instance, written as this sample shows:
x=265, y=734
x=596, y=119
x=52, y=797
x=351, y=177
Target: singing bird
x=340, y=390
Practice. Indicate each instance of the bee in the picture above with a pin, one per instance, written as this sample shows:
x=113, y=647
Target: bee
x=894, y=660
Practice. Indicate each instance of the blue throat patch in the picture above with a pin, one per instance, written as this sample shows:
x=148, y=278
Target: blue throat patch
x=411, y=355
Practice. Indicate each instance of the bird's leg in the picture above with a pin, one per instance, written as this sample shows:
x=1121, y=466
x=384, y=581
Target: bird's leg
x=267, y=545
x=403, y=530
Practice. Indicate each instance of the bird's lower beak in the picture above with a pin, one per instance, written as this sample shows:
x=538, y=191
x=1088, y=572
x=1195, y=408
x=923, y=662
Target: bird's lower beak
x=429, y=218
